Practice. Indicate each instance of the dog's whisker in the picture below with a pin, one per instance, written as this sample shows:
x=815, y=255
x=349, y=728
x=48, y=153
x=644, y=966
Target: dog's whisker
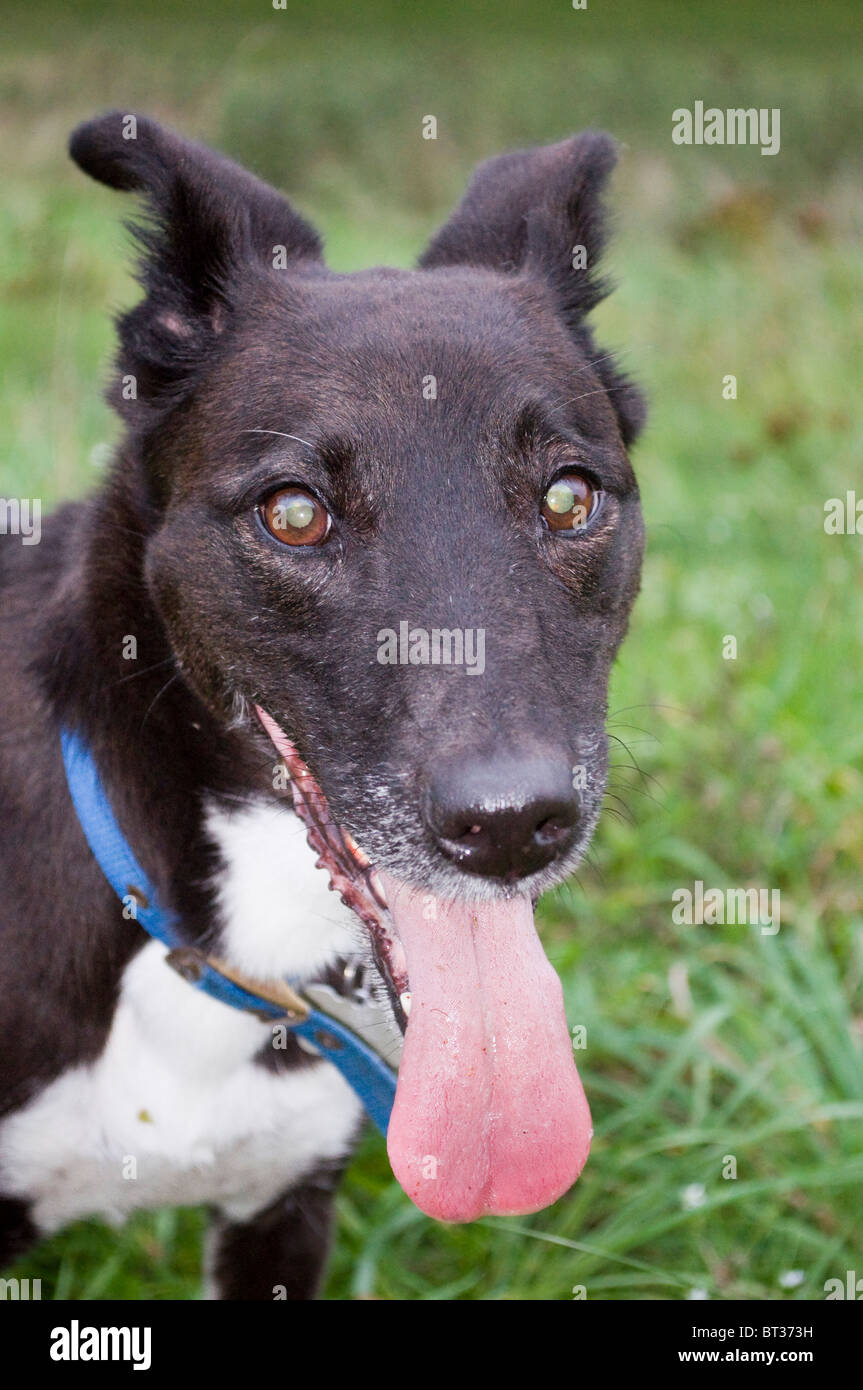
x=650, y=704
x=133, y=675
x=282, y=435
x=619, y=724
x=626, y=814
x=600, y=391
x=158, y=696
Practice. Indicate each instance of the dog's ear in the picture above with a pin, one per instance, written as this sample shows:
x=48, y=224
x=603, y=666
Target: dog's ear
x=206, y=219
x=539, y=212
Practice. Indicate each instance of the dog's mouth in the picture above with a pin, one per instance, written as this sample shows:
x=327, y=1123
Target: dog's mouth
x=490, y=1116
x=351, y=874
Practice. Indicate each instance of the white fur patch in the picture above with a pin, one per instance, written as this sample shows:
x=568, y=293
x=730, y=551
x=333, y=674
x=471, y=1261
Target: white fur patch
x=279, y=914
x=175, y=1110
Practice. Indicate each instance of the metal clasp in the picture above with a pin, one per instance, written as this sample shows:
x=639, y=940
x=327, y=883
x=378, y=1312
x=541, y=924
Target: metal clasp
x=189, y=962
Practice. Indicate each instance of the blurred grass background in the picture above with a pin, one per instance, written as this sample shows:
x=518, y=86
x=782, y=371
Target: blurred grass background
x=704, y=1041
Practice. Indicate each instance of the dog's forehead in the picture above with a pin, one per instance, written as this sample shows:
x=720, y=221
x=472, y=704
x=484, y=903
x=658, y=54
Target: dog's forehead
x=395, y=329
x=390, y=368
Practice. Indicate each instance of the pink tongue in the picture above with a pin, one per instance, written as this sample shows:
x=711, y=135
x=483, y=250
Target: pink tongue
x=490, y=1115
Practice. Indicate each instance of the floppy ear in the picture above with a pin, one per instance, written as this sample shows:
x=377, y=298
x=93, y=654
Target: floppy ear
x=206, y=219
x=539, y=212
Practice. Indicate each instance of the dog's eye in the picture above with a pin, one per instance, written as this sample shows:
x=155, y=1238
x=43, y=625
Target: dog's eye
x=569, y=502
x=295, y=516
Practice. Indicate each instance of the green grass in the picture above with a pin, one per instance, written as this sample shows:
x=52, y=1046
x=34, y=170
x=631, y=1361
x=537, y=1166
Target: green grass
x=702, y=1042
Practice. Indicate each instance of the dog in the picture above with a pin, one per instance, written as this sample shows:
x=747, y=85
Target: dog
x=342, y=613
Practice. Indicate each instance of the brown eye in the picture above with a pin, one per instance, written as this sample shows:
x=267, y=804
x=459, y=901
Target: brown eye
x=295, y=517
x=569, y=502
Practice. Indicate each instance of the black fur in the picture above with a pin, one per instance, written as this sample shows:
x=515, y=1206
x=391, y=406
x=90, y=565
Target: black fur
x=281, y=1253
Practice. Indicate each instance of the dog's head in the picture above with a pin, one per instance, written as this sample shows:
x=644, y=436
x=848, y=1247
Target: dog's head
x=394, y=511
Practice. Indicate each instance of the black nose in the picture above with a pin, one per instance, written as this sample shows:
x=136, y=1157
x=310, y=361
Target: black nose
x=504, y=819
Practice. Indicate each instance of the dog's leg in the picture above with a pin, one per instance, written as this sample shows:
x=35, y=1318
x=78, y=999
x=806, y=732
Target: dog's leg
x=17, y=1231
x=280, y=1252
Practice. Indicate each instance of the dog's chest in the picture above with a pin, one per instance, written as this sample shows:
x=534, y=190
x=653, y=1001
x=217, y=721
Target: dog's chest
x=176, y=1110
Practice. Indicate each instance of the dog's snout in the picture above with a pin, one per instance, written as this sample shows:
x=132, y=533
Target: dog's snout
x=503, y=819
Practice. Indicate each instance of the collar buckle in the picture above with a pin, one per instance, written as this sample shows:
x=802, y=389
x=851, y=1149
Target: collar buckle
x=191, y=963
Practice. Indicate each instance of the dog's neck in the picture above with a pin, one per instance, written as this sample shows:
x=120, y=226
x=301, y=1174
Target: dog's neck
x=110, y=672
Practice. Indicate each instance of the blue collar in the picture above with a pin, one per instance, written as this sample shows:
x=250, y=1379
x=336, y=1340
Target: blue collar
x=329, y=1023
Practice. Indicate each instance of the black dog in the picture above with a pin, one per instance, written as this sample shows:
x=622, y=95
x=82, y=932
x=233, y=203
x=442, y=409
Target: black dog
x=385, y=522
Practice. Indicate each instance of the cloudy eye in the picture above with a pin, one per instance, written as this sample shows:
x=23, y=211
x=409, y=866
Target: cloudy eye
x=295, y=516
x=569, y=502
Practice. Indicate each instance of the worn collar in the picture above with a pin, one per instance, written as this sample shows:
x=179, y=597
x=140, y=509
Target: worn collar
x=349, y=1029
